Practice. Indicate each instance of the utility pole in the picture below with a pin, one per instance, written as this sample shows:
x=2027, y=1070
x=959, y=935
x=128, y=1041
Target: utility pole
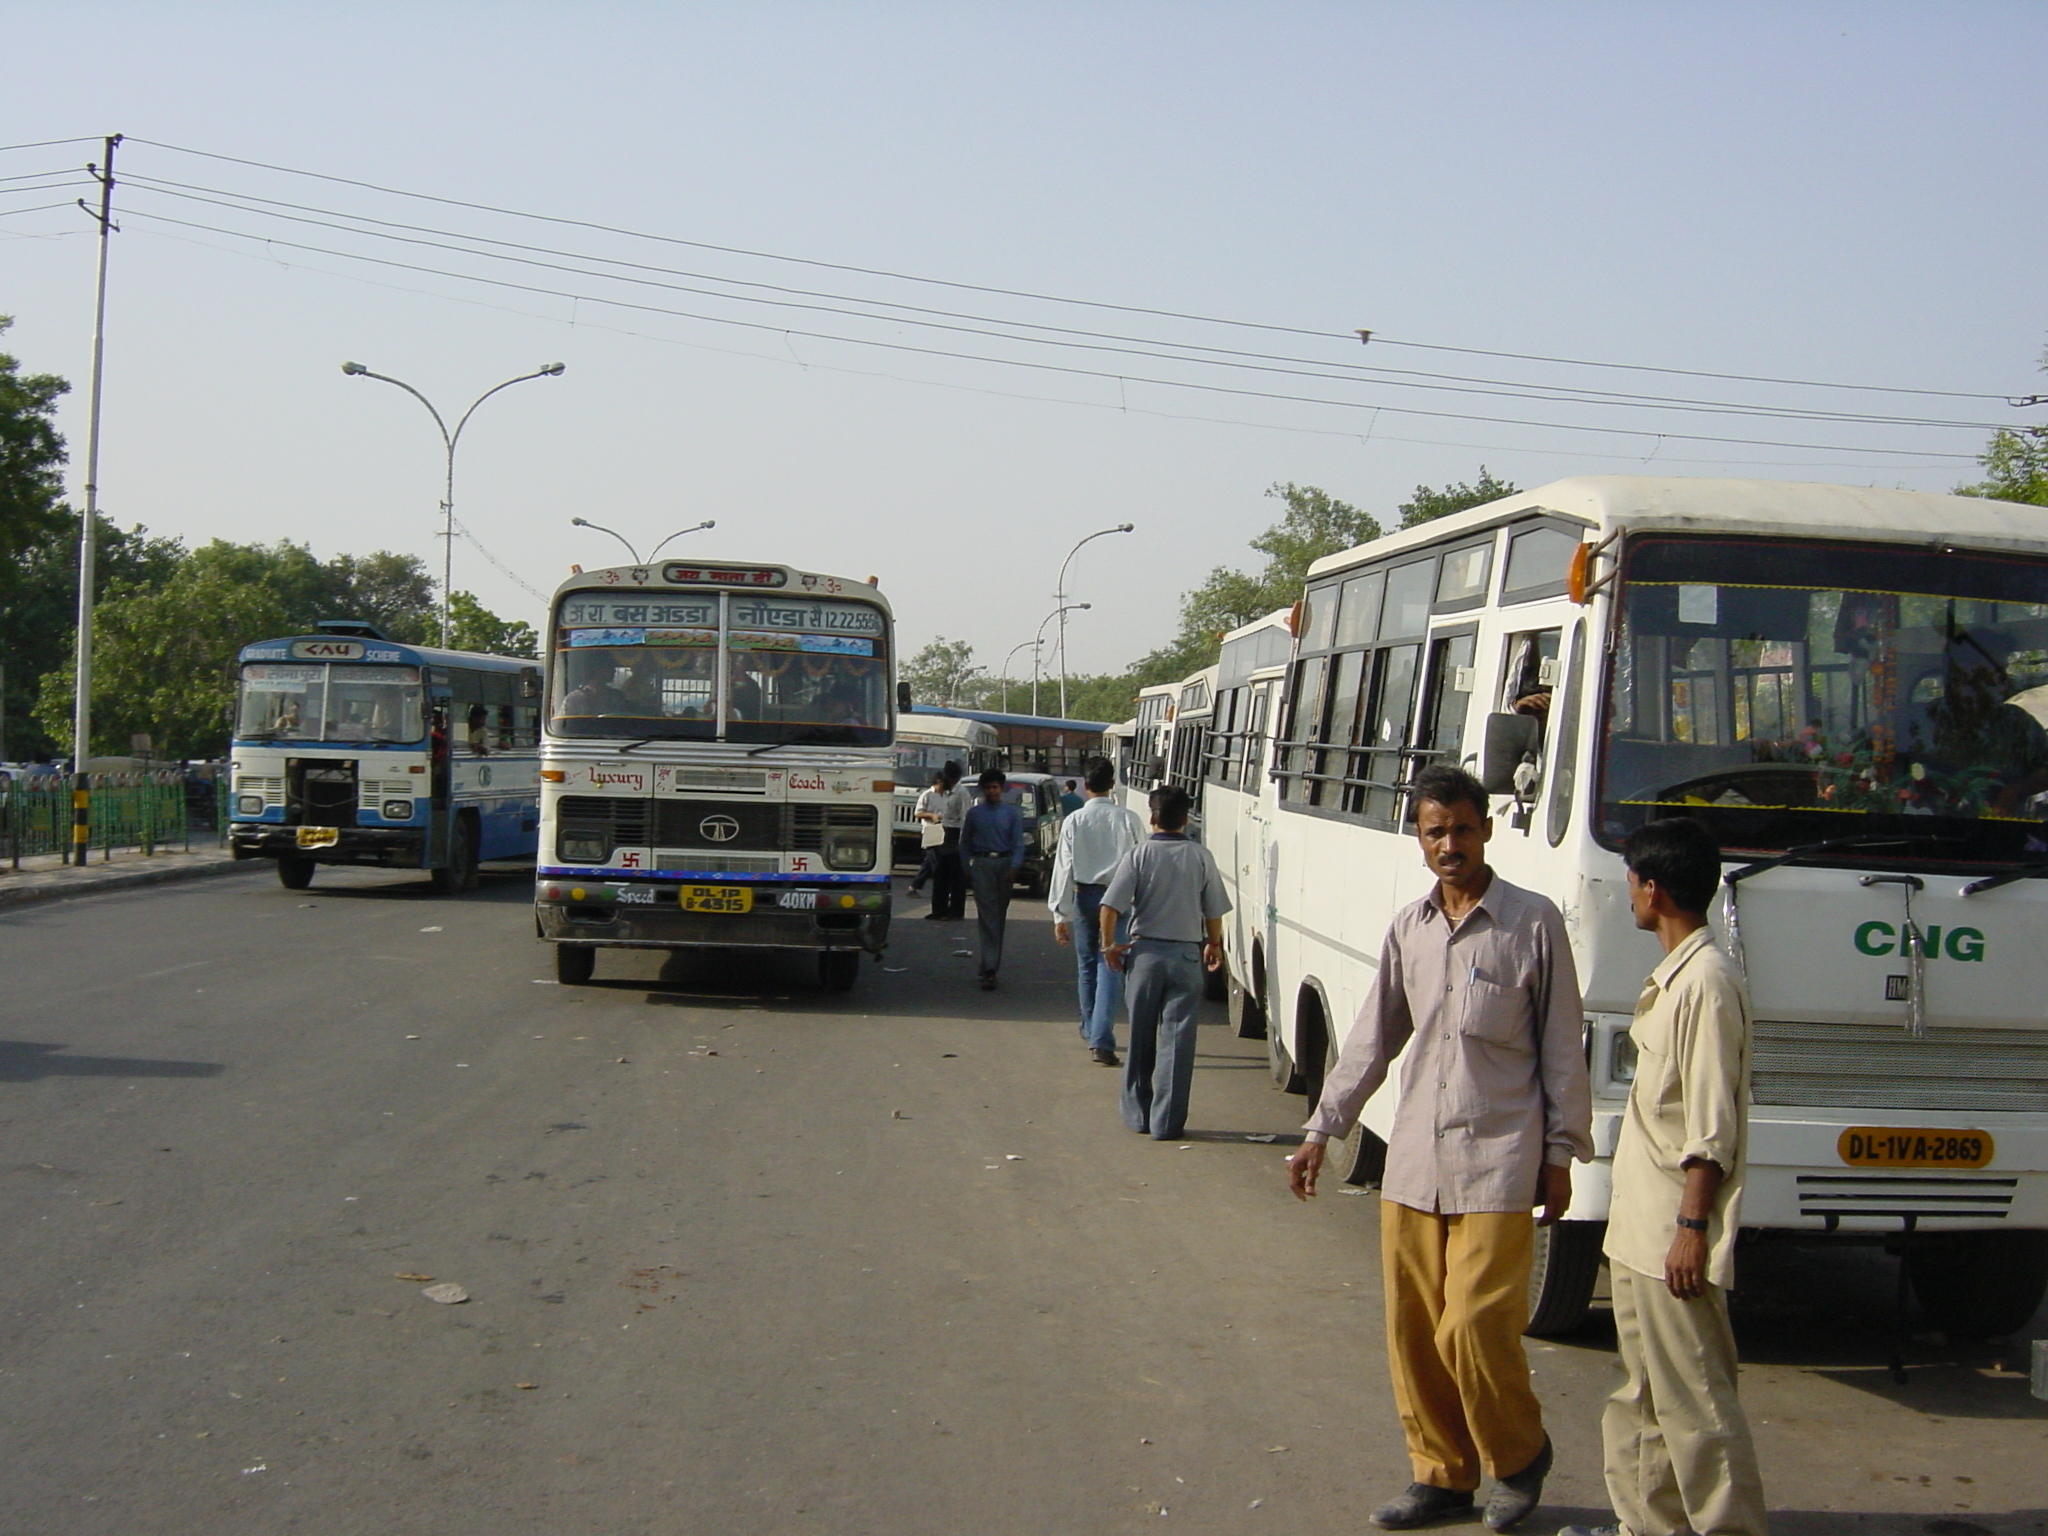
x=88, y=533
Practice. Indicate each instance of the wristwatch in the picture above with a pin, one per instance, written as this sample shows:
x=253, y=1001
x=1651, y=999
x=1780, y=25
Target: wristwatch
x=1690, y=1225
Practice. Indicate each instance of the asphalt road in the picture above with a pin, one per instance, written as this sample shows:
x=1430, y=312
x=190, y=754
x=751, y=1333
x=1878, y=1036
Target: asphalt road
x=744, y=1257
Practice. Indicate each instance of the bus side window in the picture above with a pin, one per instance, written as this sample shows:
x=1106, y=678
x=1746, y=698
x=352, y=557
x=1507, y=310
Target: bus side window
x=1449, y=698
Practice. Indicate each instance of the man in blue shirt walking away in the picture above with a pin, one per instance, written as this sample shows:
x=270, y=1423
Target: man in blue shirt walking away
x=1172, y=892
x=991, y=847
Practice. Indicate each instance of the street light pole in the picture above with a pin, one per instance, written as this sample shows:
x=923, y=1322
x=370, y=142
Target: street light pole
x=448, y=441
x=1006, y=670
x=1061, y=596
x=1059, y=613
x=584, y=522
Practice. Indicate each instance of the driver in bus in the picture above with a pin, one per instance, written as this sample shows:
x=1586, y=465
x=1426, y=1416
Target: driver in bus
x=595, y=693
x=1979, y=722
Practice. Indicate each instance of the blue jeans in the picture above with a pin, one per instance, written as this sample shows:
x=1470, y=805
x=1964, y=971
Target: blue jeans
x=1101, y=989
x=1165, y=982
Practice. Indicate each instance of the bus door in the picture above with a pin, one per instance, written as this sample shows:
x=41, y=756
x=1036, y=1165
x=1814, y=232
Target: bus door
x=441, y=818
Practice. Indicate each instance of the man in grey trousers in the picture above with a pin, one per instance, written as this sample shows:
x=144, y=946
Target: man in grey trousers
x=991, y=848
x=1171, y=890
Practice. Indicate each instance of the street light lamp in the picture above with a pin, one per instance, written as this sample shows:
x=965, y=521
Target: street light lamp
x=448, y=441
x=1061, y=596
x=584, y=522
x=1006, y=669
x=1059, y=613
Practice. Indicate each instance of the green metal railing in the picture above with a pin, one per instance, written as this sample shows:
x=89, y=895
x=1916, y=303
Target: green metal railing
x=152, y=811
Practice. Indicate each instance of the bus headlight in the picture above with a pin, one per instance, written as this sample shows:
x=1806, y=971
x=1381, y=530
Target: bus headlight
x=248, y=805
x=1621, y=1060
x=582, y=847
x=398, y=810
x=851, y=852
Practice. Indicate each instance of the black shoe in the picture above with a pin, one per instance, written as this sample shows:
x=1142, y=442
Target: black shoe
x=1513, y=1497
x=1421, y=1504
x=1102, y=1056
x=988, y=981
x=935, y=917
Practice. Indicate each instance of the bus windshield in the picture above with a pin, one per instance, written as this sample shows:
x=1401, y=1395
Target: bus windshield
x=794, y=668
x=329, y=702
x=1790, y=693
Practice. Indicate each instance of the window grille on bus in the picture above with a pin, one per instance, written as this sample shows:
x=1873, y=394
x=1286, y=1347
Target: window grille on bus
x=622, y=822
x=1880, y=1066
x=808, y=823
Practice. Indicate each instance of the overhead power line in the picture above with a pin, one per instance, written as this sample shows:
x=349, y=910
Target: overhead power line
x=1208, y=388
x=1132, y=309
x=1056, y=335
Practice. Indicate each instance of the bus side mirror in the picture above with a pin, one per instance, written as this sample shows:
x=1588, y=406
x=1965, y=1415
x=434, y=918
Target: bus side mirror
x=1509, y=739
x=529, y=682
x=903, y=698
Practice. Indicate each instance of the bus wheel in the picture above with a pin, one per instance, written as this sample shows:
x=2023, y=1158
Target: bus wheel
x=1247, y=1018
x=294, y=874
x=575, y=963
x=1566, y=1264
x=839, y=969
x=1216, y=983
x=459, y=873
x=1286, y=1076
x=1980, y=1285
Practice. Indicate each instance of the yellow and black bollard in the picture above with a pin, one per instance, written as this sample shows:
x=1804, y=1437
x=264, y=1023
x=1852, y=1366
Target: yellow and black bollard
x=81, y=818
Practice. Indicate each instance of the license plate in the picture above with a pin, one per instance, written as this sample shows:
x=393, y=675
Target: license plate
x=1885, y=1146
x=716, y=898
x=318, y=837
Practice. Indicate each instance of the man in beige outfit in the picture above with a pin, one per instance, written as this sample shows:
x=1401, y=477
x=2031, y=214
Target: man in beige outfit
x=1477, y=997
x=1679, y=1457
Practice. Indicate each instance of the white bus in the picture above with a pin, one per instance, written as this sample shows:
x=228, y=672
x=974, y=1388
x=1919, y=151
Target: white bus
x=718, y=766
x=1144, y=742
x=1187, y=741
x=1847, y=688
x=925, y=743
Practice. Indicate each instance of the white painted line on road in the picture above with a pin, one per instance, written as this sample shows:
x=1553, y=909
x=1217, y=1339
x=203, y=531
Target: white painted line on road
x=172, y=970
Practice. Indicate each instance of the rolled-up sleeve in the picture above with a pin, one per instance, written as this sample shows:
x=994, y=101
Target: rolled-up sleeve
x=1060, y=896
x=1383, y=1028
x=1709, y=1043
x=1567, y=1086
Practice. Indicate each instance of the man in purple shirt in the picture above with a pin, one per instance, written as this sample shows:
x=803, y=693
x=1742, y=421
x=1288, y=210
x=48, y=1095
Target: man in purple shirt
x=1477, y=996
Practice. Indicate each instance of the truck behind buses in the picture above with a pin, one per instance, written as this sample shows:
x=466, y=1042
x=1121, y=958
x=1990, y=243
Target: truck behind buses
x=351, y=748
x=1847, y=687
x=718, y=766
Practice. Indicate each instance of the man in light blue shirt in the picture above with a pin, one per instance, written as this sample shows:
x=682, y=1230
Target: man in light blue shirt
x=1093, y=842
x=991, y=847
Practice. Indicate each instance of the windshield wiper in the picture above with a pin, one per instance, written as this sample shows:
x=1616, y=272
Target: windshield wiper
x=634, y=746
x=2006, y=877
x=817, y=736
x=1808, y=850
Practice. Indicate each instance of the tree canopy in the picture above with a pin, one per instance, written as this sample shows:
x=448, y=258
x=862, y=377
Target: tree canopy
x=1430, y=503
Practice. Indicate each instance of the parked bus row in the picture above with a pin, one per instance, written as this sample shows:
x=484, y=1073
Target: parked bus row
x=1847, y=687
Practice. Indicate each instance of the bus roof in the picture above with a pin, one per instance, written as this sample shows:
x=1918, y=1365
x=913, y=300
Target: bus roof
x=350, y=648
x=995, y=718
x=721, y=575
x=1775, y=507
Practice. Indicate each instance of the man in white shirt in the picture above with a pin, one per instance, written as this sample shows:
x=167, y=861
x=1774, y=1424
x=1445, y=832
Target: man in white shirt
x=1093, y=842
x=949, y=879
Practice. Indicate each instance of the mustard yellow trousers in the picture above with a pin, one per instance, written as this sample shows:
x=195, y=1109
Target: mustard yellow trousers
x=1457, y=1292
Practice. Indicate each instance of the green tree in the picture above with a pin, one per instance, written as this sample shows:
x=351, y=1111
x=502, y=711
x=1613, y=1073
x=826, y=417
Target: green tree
x=944, y=672
x=1428, y=504
x=31, y=455
x=394, y=592
x=2015, y=464
x=473, y=627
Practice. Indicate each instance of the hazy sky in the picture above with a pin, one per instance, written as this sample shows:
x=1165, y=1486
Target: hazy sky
x=1838, y=193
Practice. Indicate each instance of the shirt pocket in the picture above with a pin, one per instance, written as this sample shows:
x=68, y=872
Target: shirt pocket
x=1497, y=1015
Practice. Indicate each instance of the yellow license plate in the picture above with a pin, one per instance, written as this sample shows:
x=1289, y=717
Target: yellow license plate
x=1886, y=1146
x=717, y=898
x=318, y=837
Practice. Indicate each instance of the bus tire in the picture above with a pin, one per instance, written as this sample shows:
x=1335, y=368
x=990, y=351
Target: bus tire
x=1368, y=1160
x=460, y=872
x=294, y=874
x=1216, y=984
x=575, y=963
x=1315, y=1048
x=1247, y=1018
x=838, y=969
x=1980, y=1285
x=1562, y=1275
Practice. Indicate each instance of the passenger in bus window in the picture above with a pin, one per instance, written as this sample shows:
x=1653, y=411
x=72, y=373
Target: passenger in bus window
x=478, y=733
x=1477, y=996
x=593, y=691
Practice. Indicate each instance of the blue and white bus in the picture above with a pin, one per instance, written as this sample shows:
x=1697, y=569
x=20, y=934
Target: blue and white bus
x=351, y=748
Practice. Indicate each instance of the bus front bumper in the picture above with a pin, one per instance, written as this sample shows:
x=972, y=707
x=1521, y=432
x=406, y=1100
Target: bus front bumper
x=398, y=847
x=649, y=915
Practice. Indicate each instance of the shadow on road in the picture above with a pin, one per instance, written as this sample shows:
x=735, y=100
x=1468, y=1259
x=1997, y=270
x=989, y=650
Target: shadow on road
x=28, y=1061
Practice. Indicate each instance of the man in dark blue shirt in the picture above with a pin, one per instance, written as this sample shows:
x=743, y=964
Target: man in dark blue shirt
x=991, y=847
